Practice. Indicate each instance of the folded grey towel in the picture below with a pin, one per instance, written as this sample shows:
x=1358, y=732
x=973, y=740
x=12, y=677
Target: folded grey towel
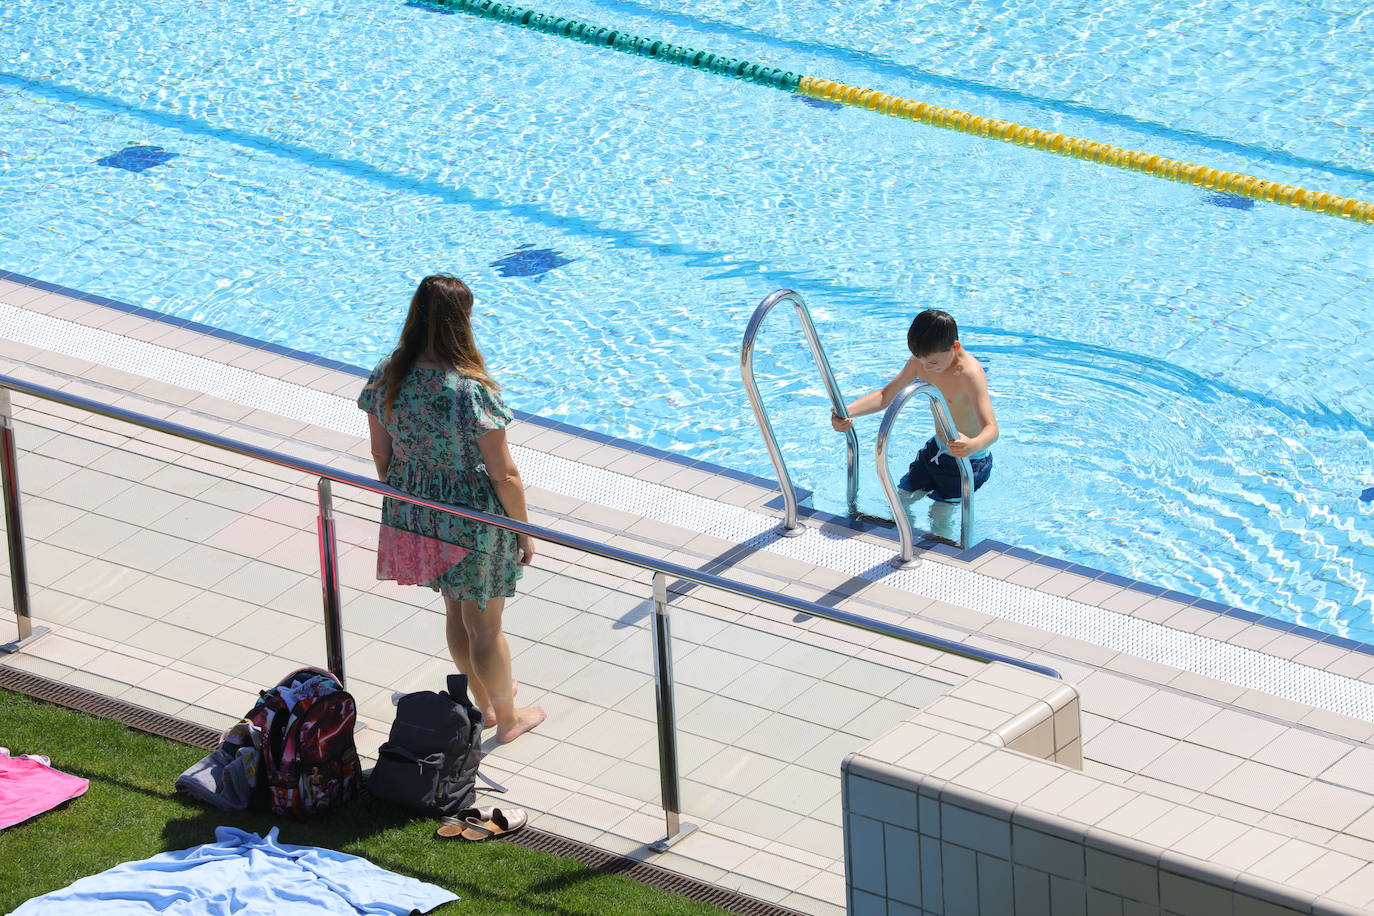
x=228, y=775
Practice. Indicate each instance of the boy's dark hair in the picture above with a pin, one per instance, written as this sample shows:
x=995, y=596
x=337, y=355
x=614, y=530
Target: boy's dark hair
x=932, y=331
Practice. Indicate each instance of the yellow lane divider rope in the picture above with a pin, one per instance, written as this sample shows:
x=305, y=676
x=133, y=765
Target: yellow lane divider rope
x=1064, y=145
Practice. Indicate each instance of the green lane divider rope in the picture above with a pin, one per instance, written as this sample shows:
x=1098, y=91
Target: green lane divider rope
x=626, y=43
x=813, y=87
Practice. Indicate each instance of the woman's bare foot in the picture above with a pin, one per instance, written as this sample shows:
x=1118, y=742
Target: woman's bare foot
x=525, y=719
x=489, y=719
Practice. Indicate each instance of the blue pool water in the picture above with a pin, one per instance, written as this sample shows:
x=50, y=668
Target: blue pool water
x=1183, y=380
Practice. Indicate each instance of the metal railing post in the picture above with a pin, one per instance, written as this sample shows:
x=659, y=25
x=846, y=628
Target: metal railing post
x=329, y=583
x=14, y=530
x=667, y=720
x=907, y=558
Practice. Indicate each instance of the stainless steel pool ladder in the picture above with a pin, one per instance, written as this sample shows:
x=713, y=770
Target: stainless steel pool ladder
x=790, y=526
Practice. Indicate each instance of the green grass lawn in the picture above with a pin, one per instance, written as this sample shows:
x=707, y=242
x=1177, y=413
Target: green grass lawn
x=130, y=812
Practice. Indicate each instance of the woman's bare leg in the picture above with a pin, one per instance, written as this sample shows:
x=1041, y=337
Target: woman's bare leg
x=490, y=657
x=460, y=649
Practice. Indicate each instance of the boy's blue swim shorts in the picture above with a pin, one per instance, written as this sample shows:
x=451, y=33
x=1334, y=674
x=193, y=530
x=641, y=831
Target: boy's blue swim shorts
x=940, y=475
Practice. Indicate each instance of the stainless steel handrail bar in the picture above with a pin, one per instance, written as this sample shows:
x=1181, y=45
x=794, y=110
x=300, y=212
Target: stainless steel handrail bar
x=907, y=557
x=790, y=526
x=551, y=535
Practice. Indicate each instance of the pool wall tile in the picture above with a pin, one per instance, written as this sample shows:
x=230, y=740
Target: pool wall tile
x=1120, y=846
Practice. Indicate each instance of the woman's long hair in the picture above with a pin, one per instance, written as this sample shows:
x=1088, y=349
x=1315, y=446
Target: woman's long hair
x=439, y=323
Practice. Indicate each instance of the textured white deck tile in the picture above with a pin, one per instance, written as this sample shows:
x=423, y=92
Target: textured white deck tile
x=1337, y=724
x=1301, y=752
x=1127, y=747
x=1355, y=770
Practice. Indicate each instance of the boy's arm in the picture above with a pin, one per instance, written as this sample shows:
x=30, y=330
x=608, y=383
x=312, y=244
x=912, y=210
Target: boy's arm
x=875, y=401
x=982, y=407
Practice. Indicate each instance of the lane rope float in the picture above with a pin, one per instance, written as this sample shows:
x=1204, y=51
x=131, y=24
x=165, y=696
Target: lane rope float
x=1064, y=145
x=624, y=42
x=1236, y=183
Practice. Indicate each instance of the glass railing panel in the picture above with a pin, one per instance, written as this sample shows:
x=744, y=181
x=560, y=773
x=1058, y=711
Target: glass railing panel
x=766, y=713
x=579, y=649
x=190, y=587
x=167, y=586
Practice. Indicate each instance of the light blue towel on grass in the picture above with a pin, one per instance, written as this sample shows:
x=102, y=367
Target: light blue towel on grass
x=242, y=873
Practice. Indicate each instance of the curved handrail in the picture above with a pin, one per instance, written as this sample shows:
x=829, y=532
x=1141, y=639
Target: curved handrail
x=943, y=420
x=551, y=535
x=790, y=526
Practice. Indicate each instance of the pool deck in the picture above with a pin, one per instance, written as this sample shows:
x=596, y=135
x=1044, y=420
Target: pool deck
x=193, y=591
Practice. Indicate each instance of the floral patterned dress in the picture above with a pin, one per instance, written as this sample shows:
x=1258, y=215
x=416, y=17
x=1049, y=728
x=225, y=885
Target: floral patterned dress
x=434, y=424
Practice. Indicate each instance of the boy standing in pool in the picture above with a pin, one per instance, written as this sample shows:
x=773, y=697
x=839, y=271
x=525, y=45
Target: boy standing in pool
x=937, y=357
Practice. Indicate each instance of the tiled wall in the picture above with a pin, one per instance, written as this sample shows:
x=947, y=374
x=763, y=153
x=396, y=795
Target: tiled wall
x=958, y=814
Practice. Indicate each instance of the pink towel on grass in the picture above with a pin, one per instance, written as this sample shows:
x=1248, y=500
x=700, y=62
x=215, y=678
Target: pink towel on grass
x=28, y=786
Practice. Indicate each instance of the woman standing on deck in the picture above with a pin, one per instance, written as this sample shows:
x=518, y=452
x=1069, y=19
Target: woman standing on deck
x=437, y=425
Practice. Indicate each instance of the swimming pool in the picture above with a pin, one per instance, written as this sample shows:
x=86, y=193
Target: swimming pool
x=1184, y=382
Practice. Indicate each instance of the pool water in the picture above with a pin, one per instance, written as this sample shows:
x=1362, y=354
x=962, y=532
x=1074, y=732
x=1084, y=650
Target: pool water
x=1183, y=380
x=1287, y=80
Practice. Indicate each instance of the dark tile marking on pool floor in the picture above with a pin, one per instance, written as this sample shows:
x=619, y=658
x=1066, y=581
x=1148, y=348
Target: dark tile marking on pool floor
x=528, y=261
x=819, y=103
x=972, y=553
x=1231, y=201
x=137, y=158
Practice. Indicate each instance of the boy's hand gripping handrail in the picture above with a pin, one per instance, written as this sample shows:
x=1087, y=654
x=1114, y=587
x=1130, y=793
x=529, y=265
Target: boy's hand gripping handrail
x=790, y=526
x=907, y=558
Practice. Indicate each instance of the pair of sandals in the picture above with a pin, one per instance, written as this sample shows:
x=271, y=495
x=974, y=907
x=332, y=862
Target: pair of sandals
x=474, y=824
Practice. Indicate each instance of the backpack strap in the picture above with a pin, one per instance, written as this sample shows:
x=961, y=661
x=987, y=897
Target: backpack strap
x=458, y=689
x=495, y=786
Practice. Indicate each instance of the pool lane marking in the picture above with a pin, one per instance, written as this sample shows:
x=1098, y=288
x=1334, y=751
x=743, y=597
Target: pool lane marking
x=812, y=87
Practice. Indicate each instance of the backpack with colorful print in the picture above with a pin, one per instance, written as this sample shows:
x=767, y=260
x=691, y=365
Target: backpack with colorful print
x=309, y=762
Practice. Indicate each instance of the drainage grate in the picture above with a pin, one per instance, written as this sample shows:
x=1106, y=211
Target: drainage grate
x=145, y=720
x=660, y=878
x=163, y=725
